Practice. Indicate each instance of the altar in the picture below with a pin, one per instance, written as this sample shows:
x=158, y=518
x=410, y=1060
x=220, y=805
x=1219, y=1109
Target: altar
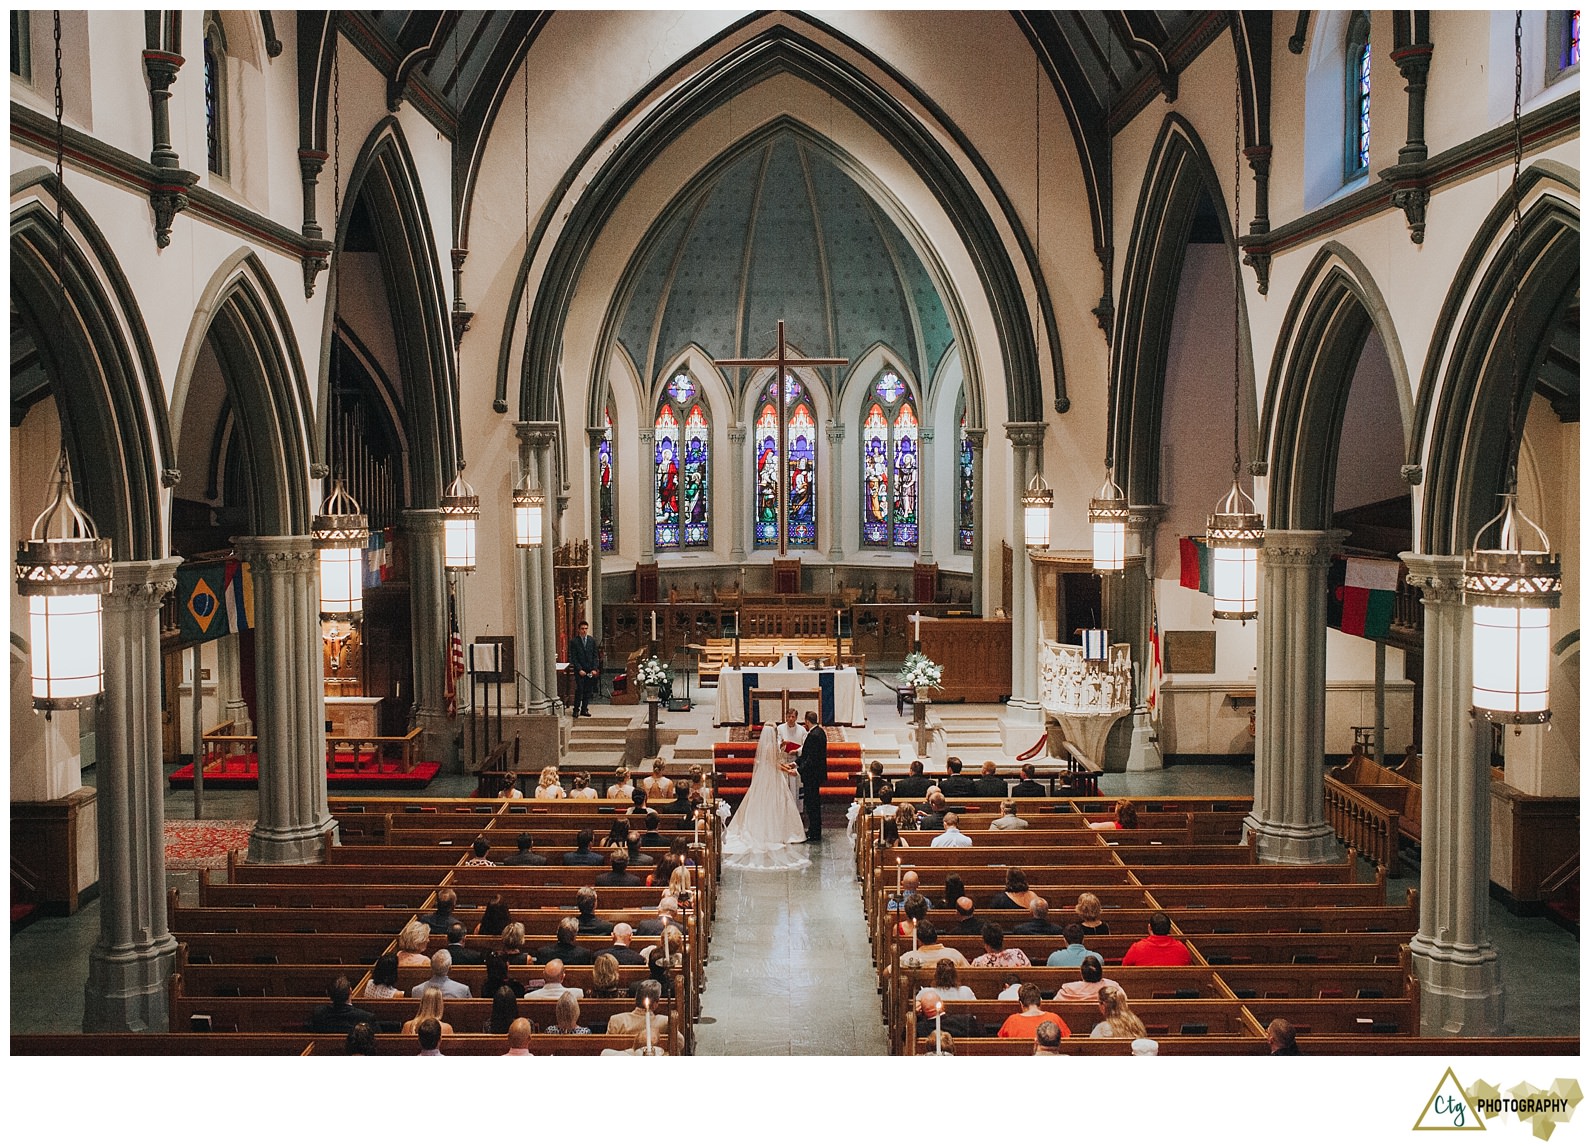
x=840, y=690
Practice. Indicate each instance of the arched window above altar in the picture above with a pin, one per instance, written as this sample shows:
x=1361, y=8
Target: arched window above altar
x=801, y=433
x=681, y=487
x=604, y=481
x=890, y=475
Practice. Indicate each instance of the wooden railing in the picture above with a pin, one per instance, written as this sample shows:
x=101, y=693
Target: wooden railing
x=220, y=744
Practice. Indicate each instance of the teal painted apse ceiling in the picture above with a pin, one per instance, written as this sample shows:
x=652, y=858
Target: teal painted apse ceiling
x=782, y=232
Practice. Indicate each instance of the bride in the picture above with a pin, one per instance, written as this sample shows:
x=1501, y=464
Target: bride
x=768, y=822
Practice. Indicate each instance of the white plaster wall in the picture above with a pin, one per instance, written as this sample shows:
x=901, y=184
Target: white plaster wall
x=1368, y=463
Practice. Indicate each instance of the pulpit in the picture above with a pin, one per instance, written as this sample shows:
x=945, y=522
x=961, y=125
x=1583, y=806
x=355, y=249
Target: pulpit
x=646, y=582
x=787, y=576
x=925, y=582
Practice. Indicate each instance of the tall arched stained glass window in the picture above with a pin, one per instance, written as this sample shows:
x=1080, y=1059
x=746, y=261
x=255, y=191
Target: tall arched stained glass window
x=604, y=478
x=890, y=476
x=1357, y=78
x=965, y=487
x=801, y=522
x=681, y=486
x=215, y=95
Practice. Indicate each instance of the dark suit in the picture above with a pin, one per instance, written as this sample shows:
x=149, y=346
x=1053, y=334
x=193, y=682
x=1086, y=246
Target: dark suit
x=912, y=788
x=583, y=859
x=625, y=956
x=586, y=660
x=524, y=859
x=1037, y=927
x=990, y=787
x=812, y=764
x=1029, y=788
x=332, y=1019
x=617, y=879
x=591, y=925
x=958, y=786
x=464, y=955
x=930, y=822
x=957, y=1026
x=572, y=955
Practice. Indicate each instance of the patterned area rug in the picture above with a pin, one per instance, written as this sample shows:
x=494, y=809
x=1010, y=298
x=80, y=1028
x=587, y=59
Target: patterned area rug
x=192, y=845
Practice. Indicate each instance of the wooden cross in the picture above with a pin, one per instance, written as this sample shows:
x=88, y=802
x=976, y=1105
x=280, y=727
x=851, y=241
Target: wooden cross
x=781, y=362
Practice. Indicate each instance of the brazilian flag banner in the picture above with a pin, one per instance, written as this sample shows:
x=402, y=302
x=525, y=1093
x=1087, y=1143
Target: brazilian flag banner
x=214, y=598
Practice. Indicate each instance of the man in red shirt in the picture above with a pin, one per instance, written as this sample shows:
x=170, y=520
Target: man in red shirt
x=1159, y=949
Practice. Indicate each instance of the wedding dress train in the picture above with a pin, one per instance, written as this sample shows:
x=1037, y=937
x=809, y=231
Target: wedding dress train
x=766, y=832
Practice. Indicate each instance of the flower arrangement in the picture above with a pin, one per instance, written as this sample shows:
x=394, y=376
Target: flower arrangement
x=653, y=673
x=920, y=673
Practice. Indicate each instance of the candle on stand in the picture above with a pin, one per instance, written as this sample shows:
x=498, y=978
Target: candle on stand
x=648, y=1026
x=916, y=628
x=897, y=862
x=654, y=624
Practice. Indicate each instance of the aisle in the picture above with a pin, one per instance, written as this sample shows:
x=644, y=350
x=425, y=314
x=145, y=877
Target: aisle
x=790, y=970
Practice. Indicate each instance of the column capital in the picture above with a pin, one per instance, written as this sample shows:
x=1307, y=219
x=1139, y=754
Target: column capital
x=647, y=433
x=927, y=433
x=141, y=584
x=1026, y=435
x=1143, y=517
x=537, y=435
x=836, y=431
x=423, y=521
x=975, y=435
x=1302, y=548
x=596, y=435
x=294, y=554
x=737, y=432
x=1439, y=577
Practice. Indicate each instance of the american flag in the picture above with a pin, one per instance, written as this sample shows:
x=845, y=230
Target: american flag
x=455, y=652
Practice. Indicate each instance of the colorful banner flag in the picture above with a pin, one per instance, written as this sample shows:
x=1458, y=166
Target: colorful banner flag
x=378, y=558
x=455, y=653
x=1156, y=666
x=239, y=596
x=214, y=598
x=1195, y=568
x=1362, y=595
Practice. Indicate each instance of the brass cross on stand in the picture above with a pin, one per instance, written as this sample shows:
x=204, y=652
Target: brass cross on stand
x=781, y=362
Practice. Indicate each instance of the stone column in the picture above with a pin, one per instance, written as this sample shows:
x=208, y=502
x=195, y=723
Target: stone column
x=293, y=814
x=538, y=621
x=835, y=487
x=1289, y=760
x=739, y=468
x=1130, y=607
x=1023, y=715
x=594, y=436
x=925, y=497
x=132, y=959
x=648, y=492
x=979, y=544
x=229, y=684
x=1460, y=980
x=429, y=635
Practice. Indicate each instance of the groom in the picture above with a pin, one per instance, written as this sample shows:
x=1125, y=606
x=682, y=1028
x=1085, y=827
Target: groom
x=812, y=764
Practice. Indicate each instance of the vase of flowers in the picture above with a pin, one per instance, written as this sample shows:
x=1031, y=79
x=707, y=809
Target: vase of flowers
x=653, y=674
x=920, y=675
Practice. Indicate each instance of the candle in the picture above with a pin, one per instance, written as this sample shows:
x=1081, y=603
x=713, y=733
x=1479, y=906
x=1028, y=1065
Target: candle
x=654, y=624
x=916, y=627
x=648, y=1026
x=913, y=937
x=936, y=1031
x=897, y=862
x=665, y=942
x=698, y=830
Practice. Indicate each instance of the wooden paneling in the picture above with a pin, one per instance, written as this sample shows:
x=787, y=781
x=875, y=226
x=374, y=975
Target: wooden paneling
x=975, y=654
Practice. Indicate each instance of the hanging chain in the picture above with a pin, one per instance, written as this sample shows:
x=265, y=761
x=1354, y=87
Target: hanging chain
x=1517, y=241
x=336, y=222
x=526, y=67
x=1107, y=211
x=1037, y=192
x=1236, y=298
x=60, y=184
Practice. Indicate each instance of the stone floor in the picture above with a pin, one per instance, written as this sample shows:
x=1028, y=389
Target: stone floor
x=789, y=971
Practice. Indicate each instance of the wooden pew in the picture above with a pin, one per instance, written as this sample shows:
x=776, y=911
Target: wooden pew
x=1309, y=1045
x=160, y=1044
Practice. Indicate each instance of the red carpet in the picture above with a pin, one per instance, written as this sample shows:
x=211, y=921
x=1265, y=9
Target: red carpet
x=192, y=845
x=243, y=772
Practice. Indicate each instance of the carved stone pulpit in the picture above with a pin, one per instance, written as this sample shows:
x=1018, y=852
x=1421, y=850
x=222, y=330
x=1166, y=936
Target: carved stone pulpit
x=1086, y=697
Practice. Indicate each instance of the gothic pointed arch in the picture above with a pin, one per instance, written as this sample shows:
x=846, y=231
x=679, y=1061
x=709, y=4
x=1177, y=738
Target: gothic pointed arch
x=1179, y=178
x=1470, y=391
x=101, y=365
x=1326, y=326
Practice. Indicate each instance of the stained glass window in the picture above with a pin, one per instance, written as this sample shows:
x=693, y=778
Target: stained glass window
x=1562, y=39
x=1358, y=58
x=965, y=489
x=890, y=475
x=604, y=462
x=1570, y=55
x=801, y=523
x=681, y=489
x=214, y=97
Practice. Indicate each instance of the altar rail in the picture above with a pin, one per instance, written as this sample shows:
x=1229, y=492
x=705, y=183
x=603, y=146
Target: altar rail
x=221, y=744
x=881, y=632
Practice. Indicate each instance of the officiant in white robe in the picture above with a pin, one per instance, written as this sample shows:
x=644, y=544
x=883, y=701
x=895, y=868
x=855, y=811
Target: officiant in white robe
x=791, y=731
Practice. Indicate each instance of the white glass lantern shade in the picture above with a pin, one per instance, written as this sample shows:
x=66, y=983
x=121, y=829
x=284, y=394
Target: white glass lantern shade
x=460, y=509
x=68, y=650
x=341, y=583
x=1235, y=534
x=1512, y=591
x=1107, y=513
x=529, y=510
x=1037, y=506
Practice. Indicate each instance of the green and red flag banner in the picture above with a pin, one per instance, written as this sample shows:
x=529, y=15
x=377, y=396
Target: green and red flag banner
x=214, y=598
x=1196, y=572
x=1362, y=594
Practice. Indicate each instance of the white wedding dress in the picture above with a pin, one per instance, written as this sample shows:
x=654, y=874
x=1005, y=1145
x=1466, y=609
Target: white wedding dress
x=765, y=833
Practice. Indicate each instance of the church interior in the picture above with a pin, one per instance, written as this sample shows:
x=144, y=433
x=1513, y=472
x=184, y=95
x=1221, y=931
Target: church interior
x=1179, y=406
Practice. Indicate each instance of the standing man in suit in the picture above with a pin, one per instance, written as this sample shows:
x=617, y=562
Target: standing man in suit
x=587, y=662
x=812, y=764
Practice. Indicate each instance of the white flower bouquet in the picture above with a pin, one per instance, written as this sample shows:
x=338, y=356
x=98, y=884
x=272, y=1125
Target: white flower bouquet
x=921, y=674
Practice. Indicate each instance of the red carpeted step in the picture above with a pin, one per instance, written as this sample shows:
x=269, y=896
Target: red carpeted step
x=243, y=772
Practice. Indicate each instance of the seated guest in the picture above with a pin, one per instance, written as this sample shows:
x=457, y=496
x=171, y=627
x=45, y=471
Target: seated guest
x=905, y=816
x=939, y=1044
x=617, y=835
x=891, y=836
x=947, y=982
x=680, y=850
x=913, y=786
x=441, y=979
x=682, y=885
x=951, y=836
x=442, y=918
x=429, y=1035
x=620, y=788
x=1017, y=896
x=518, y=1038
x=1028, y=785
x=1024, y=1024
x=1160, y=948
x=1046, y=1039
x=1086, y=989
x=412, y=943
x=582, y=789
x=1040, y=923
x=910, y=883
x=496, y=916
x=1125, y=817
x=648, y=997
x=914, y=912
x=1075, y=951
x=511, y=790
x=549, y=788
x=582, y=855
x=956, y=786
x=621, y=950
x=554, y=987
x=932, y=820
x=929, y=950
x=480, y=847
x=585, y=904
x=338, y=1016
x=988, y=785
x=383, y=980
x=657, y=786
x=664, y=957
x=571, y=953
x=637, y=801
x=954, y=888
x=497, y=977
x=995, y=953
x=604, y=977
x=685, y=799
x=524, y=857
x=1119, y=1022
x=870, y=783
x=1009, y=989
x=360, y=1041
x=1282, y=1037
x=617, y=874
x=1089, y=910
x=504, y=1011
x=966, y=921
x=930, y=1016
x=1008, y=821
x=637, y=857
x=513, y=945
x=431, y=1006
x=566, y=1016
x=667, y=915
x=652, y=838
x=461, y=954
